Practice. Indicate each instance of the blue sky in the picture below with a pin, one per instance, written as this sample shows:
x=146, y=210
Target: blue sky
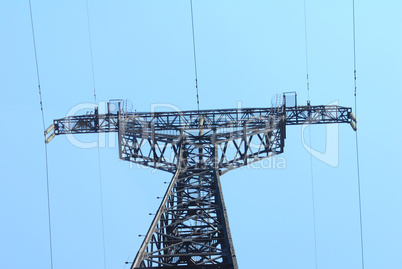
x=247, y=51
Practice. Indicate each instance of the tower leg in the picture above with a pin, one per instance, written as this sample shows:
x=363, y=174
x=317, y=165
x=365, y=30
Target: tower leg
x=190, y=229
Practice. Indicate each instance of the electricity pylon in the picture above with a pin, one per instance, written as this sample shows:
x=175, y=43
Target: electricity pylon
x=191, y=228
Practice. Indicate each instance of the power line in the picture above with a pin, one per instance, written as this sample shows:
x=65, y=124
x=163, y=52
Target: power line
x=195, y=56
x=357, y=139
x=44, y=128
x=305, y=39
x=99, y=159
x=90, y=48
x=309, y=131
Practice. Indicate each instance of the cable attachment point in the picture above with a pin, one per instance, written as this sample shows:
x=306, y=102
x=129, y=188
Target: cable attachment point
x=51, y=136
x=353, y=121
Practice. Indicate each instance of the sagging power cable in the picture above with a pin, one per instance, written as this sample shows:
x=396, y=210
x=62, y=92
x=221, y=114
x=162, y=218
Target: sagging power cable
x=309, y=130
x=44, y=141
x=99, y=159
x=195, y=55
x=357, y=140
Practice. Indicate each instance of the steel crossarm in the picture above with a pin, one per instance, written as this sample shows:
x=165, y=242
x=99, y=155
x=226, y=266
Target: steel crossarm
x=90, y=123
x=188, y=120
x=242, y=136
x=318, y=115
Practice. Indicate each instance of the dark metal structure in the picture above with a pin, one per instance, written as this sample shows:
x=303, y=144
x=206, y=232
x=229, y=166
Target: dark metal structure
x=190, y=228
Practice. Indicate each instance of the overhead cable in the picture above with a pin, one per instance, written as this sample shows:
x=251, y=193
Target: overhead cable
x=44, y=133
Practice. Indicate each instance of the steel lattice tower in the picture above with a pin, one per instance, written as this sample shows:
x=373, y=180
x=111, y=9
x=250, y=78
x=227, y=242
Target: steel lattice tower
x=190, y=228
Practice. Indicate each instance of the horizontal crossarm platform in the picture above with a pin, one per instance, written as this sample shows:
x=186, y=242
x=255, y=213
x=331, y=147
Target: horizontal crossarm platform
x=241, y=136
x=87, y=124
x=318, y=115
x=203, y=119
